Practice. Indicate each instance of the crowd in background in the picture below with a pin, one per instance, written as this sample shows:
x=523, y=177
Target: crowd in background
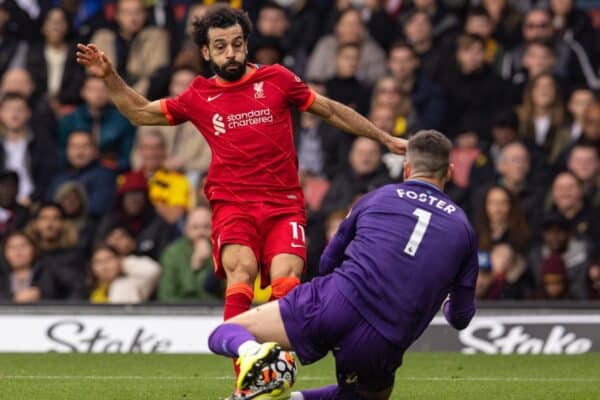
x=95, y=209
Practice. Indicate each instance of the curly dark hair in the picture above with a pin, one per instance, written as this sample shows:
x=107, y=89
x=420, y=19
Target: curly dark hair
x=220, y=16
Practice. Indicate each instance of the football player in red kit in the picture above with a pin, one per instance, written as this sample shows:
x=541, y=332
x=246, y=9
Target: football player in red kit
x=243, y=111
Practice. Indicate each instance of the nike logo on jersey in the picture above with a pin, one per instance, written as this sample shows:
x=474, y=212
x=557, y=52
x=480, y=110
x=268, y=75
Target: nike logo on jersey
x=211, y=98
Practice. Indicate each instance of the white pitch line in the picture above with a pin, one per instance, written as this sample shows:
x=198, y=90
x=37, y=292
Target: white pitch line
x=302, y=378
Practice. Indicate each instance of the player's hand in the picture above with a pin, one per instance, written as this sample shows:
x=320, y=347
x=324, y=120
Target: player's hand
x=396, y=145
x=94, y=60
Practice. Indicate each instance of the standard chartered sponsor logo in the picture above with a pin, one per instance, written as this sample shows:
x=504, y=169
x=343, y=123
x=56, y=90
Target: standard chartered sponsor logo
x=218, y=124
x=249, y=118
x=241, y=120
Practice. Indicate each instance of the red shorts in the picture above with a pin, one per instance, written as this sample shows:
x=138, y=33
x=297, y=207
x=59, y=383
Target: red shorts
x=267, y=228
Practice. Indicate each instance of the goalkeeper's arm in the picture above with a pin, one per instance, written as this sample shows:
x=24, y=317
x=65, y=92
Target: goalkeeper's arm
x=459, y=307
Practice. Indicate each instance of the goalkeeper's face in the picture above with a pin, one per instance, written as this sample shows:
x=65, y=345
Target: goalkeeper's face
x=227, y=52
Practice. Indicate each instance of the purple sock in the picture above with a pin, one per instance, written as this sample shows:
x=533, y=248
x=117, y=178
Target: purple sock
x=227, y=338
x=324, y=393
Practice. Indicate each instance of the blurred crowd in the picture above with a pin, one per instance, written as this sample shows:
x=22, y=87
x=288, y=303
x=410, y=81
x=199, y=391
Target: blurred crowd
x=95, y=209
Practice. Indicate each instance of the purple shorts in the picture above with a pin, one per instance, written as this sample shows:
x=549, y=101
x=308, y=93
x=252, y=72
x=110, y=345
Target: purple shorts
x=318, y=318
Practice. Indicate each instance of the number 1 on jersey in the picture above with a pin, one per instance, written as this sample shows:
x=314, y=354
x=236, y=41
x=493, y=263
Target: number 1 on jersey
x=417, y=234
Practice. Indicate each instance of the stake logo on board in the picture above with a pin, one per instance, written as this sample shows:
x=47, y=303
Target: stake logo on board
x=492, y=337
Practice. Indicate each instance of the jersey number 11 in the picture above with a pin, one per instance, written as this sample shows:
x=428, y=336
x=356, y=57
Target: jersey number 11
x=423, y=218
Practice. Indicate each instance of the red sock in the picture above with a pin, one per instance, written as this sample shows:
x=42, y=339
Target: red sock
x=282, y=286
x=238, y=298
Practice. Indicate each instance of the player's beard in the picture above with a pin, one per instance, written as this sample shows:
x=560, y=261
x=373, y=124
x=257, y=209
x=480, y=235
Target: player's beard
x=227, y=73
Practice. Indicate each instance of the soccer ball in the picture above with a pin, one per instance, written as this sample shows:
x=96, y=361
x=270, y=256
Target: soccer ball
x=283, y=368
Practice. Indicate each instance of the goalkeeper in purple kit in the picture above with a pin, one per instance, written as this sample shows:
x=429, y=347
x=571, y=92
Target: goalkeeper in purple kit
x=403, y=250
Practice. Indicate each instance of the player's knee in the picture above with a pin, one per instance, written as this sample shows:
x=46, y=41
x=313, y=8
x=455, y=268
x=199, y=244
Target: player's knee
x=286, y=265
x=240, y=269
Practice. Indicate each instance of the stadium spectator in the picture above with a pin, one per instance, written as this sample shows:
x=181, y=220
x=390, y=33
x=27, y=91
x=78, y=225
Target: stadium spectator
x=276, y=29
x=121, y=280
x=112, y=132
x=555, y=285
x=187, y=150
x=19, y=272
x=506, y=21
x=570, y=22
x=502, y=221
x=473, y=91
x=84, y=167
x=557, y=239
x=478, y=22
x=72, y=197
x=505, y=130
x=52, y=65
x=13, y=216
x=511, y=280
x=348, y=29
x=344, y=86
x=18, y=80
x=187, y=265
x=427, y=97
x=13, y=50
x=389, y=98
x=579, y=100
x=322, y=149
x=365, y=173
x=24, y=149
x=515, y=174
x=538, y=58
x=433, y=52
x=442, y=22
x=62, y=271
x=267, y=51
x=584, y=163
x=120, y=238
x=134, y=210
x=568, y=201
x=169, y=190
x=591, y=126
x=189, y=54
x=542, y=121
x=572, y=63
x=136, y=51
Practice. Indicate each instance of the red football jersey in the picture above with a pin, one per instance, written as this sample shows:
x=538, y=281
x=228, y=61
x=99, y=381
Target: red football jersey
x=248, y=126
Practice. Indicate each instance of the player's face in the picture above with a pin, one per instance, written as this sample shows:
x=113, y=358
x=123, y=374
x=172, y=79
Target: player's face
x=227, y=52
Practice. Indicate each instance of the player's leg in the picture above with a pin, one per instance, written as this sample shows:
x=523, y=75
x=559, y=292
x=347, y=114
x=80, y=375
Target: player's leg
x=284, y=249
x=256, y=337
x=241, y=268
x=235, y=250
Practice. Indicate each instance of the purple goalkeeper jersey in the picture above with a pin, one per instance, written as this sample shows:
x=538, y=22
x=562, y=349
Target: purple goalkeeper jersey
x=402, y=249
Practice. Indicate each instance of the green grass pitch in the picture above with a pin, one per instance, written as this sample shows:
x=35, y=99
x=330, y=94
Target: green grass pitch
x=439, y=376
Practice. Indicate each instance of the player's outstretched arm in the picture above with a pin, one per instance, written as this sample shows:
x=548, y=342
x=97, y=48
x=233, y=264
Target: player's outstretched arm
x=346, y=119
x=138, y=109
